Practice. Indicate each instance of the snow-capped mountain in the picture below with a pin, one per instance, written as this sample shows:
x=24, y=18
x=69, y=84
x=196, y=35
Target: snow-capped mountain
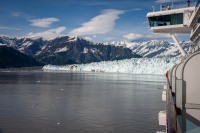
x=28, y=46
x=67, y=50
x=154, y=48
x=36, y=46
x=75, y=50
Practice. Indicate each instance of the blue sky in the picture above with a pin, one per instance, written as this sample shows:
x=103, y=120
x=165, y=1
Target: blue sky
x=95, y=20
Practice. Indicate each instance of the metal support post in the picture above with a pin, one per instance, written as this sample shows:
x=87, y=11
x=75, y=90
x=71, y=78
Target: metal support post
x=177, y=44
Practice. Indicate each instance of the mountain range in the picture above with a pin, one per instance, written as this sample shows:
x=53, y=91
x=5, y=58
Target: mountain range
x=75, y=50
x=154, y=48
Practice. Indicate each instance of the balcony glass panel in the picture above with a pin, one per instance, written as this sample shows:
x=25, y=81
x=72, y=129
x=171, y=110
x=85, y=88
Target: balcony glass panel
x=166, y=20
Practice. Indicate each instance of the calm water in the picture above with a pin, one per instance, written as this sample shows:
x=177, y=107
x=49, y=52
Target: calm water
x=56, y=102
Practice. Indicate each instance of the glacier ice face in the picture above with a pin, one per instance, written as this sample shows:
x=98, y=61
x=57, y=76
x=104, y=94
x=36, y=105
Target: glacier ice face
x=157, y=66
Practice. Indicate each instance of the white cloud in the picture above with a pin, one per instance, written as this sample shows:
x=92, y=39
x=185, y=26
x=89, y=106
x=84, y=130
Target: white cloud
x=49, y=34
x=134, y=9
x=88, y=38
x=135, y=36
x=137, y=9
x=100, y=24
x=9, y=28
x=132, y=36
x=168, y=1
x=44, y=22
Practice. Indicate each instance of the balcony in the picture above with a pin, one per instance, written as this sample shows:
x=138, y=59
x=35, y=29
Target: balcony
x=184, y=116
x=195, y=33
x=170, y=21
x=195, y=15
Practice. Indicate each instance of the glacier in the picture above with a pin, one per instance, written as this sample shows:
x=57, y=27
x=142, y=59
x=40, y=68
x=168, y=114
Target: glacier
x=156, y=66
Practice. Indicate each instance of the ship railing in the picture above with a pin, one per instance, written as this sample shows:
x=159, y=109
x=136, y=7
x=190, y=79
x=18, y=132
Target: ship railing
x=172, y=125
x=196, y=22
x=195, y=26
x=194, y=32
x=172, y=7
x=197, y=43
x=194, y=18
x=167, y=7
x=197, y=5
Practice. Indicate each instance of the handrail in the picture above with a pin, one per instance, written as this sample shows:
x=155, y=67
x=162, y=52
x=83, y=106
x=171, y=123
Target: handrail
x=197, y=5
x=167, y=7
x=192, y=106
x=195, y=26
x=171, y=111
x=194, y=33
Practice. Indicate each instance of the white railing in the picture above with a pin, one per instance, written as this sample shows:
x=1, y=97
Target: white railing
x=194, y=34
x=172, y=7
x=197, y=5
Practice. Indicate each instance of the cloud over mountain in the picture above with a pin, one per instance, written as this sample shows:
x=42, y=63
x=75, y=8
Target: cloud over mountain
x=44, y=22
x=49, y=34
x=9, y=28
x=100, y=24
x=136, y=36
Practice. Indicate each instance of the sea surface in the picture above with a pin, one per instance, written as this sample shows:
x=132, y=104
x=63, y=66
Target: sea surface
x=37, y=101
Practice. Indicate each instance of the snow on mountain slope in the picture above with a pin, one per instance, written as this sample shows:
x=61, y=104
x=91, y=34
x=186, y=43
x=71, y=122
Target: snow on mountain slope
x=132, y=66
x=67, y=50
x=154, y=48
x=64, y=49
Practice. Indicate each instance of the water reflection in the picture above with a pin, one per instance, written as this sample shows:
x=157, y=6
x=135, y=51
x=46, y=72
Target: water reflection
x=49, y=102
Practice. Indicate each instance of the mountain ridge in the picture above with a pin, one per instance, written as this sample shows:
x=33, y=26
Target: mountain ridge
x=68, y=50
x=155, y=48
x=9, y=58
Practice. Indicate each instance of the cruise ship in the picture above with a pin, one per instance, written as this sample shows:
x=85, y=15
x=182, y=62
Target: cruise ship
x=182, y=90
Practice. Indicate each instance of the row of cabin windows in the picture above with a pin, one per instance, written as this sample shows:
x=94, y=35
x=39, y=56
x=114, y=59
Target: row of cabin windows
x=164, y=20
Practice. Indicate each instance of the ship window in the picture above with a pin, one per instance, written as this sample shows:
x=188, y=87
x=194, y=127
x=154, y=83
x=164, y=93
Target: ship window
x=176, y=19
x=166, y=20
x=199, y=20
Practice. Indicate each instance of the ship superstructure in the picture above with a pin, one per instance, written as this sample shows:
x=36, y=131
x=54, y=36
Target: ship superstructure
x=182, y=91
